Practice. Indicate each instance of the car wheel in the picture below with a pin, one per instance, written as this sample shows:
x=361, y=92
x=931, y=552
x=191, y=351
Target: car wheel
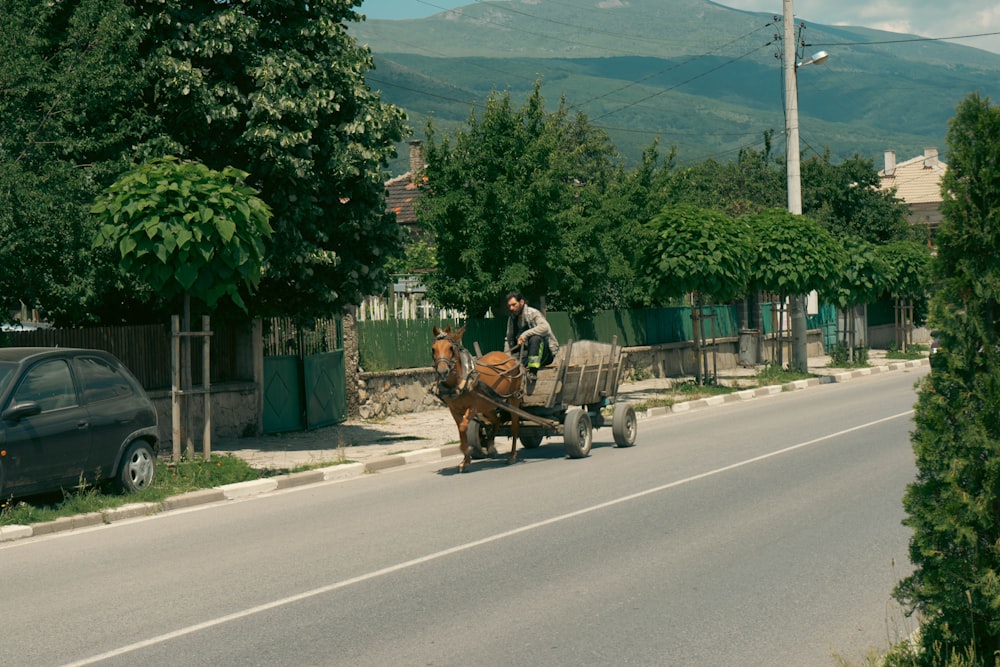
x=138, y=468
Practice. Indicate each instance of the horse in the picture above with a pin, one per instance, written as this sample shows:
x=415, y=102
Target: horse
x=463, y=381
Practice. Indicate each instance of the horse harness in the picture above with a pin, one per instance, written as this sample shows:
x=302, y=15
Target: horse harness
x=462, y=359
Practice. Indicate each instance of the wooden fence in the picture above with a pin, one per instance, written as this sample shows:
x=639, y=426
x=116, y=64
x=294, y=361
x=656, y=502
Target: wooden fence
x=145, y=350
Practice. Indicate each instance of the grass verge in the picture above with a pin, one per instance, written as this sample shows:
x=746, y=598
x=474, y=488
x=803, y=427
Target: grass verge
x=691, y=391
x=171, y=479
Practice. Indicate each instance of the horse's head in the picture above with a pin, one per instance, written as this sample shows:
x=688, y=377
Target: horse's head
x=445, y=351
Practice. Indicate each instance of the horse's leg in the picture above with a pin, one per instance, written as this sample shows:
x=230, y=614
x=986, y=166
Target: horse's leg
x=515, y=427
x=463, y=442
x=494, y=421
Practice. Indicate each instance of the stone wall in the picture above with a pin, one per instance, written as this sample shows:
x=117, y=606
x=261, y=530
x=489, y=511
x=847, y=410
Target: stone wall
x=399, y=392
x=235, y=413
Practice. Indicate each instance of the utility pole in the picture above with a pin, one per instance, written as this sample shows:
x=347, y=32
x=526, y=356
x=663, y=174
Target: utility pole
x=797, y=306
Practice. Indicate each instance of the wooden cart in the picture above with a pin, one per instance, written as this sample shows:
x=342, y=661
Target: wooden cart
x=568, y=399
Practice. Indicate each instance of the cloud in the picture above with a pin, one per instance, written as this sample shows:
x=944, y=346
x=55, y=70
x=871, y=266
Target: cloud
x=927, y=18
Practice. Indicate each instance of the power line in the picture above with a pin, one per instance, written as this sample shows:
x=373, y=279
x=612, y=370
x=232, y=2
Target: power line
x=681, y=83
x=908, y=39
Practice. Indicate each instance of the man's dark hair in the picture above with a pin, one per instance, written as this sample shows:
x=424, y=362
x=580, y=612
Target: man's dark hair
x=513, y=295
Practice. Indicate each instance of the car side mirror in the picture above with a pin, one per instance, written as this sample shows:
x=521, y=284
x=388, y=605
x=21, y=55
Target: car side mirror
x=19, y=411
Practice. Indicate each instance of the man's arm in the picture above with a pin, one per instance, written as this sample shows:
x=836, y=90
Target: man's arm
x=537, y=324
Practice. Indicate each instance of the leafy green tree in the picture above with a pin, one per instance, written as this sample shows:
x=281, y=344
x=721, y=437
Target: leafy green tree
x=863, y=277
x=186, y=230
x=750, y=184
x=277, y=89
x=953, y=505
x=793, y=254
x=908, y=281
x=635, y=196
x=68, y=87
x=515, y=201
x=846, y=199
x=699, y=251
x=273, y=87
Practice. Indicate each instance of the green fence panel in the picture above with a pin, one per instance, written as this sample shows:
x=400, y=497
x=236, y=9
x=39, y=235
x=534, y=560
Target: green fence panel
x=394, y=344
x=561, y=325
x=719, y=321
x=489, y=332
x=825, y=321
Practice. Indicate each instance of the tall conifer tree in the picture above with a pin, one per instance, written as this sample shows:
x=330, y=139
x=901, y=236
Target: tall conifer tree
x=954, y=503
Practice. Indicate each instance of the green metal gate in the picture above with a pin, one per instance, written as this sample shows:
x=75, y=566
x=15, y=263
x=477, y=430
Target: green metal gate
x=306, y=390
x=325, y=389
x=282, y=394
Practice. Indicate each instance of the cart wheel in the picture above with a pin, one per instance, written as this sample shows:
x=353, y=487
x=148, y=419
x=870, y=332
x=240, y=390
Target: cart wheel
x=530, y=441
x=476, y=435
x=577, y=434
x=624, y=425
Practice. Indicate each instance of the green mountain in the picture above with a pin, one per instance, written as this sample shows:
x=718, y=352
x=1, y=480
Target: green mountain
x=699, y=76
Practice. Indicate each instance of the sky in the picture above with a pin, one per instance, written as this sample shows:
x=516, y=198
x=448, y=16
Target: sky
x=926, y=18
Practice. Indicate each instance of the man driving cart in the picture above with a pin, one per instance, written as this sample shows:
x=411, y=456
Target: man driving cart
x=529, y=333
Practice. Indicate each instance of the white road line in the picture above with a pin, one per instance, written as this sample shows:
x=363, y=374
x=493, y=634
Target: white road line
x=191, y=629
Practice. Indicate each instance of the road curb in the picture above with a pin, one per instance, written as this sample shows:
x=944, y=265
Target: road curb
x=241, y=490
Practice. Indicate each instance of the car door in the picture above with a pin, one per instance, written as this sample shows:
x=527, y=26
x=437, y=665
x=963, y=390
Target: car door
x=47, y=450
x=115, y=407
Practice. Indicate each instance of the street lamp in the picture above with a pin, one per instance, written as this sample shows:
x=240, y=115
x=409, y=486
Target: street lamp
x=797, y=306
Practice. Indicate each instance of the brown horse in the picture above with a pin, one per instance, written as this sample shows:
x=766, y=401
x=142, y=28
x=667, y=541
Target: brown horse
x=464, y=381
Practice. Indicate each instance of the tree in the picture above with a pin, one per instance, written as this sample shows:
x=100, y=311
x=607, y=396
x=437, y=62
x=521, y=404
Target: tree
x=186, y=230
x=792, y=254
x=515, y=201
x=635, y=197
x=908, y=282
x=846, y=199
x=271, y=87
x=67, y=119
x=698, y=251
x=864, y=276
x=277, y=89
x=750, y=184
x=953, y=505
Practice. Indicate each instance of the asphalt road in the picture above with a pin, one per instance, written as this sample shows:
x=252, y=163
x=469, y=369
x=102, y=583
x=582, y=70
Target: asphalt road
x=758, y=533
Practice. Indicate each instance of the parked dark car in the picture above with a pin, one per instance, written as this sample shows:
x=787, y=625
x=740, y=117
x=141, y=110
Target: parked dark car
x=71, y=415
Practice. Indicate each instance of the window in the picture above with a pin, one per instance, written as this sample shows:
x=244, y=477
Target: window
x=100, y=380
x=49, y=384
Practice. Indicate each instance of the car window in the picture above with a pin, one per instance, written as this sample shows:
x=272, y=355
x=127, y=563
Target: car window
x=100, y=380
x=48, y=383
x=6, y=375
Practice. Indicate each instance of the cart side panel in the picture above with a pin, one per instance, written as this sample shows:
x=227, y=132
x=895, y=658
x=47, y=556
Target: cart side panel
x=587, y=368
x=539, y=393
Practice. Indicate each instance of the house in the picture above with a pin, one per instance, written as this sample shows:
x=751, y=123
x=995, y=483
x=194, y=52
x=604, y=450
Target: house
x=403, y=191
x=918, y=183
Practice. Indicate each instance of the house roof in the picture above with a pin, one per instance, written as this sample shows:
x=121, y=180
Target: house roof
x=401, y=193
x=918, y=180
